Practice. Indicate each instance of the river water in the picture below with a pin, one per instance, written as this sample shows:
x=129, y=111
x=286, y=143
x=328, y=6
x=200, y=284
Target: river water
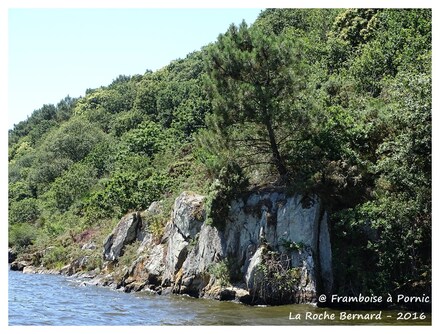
x=50, y=300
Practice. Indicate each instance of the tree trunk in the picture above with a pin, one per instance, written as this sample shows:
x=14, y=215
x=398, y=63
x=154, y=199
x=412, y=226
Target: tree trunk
x=276, y=156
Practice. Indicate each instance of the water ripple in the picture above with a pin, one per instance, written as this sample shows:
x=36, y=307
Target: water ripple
x=51, y=300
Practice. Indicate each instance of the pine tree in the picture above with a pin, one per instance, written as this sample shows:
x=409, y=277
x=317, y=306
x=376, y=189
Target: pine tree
x=253, y=78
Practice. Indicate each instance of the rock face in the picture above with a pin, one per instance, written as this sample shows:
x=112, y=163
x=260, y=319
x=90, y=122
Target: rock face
x=12, y=255
x=19, y=265
x=123, y=234
x=273, y=249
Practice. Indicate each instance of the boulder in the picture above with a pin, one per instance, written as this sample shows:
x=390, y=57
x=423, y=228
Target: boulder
x=155, y=208
x=253, y=275
x=227, y=294
x=40, y=270
x=89, y=246
x=188, y=214
x=19, y=265
x=30, y=270
x=12, y=255
x=187, y=220
x=123, y=234
x=75, y=266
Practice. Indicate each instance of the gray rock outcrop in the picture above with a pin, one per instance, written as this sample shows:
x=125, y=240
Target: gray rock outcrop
x=123, y=234
x=12, y=255
x=269, y=241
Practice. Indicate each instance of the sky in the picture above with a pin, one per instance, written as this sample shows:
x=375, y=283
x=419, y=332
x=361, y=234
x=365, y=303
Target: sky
x=58, y=52
x=53, y=53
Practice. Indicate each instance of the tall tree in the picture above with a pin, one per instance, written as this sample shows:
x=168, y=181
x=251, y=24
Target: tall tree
x=254, y=78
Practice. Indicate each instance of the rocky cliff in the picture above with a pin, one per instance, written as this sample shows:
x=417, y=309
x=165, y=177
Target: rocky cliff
x=273, y=248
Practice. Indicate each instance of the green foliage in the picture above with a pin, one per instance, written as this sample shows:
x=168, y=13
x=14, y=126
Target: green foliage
x=55, y=257
x=127, y=191
x=42, y=121
x=290, y=246
x=21, y=168
x=119, y=97
x=333, y=102
x=312, y=21
x=71, y=187
x=253, y=79
x=147, y=139
x=355, y=262
x=63, y=147
x=275, y=280
x=24, y=211
x=212, y=147
x=129, y=254
x=21, y=235
x=103, y=156
x=156, y=222
x=55, y=225
x=220, y=271
x=126, y=121
x=230, y=182
x=94, y=261
x=405, y=156
x=18, y=191
x=355, y=25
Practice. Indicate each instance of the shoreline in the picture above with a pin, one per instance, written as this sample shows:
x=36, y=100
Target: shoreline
x=101, y=280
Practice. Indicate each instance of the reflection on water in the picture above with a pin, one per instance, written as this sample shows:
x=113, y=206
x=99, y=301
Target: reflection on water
x=58, y=300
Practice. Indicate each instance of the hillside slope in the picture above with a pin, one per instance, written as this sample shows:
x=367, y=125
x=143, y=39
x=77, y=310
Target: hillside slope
x=321, y=102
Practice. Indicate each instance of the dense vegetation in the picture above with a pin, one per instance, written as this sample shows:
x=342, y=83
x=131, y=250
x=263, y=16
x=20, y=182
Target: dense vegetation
x=329, y=101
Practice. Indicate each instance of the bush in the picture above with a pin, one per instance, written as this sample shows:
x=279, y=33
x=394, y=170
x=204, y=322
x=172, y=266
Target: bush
x=130, y=254
x=21, y=235
x=24, y=211
x=147, y=139
x=72, y=186
x=277, y=281
x=126, y=191
x=55, y=257
x=156, y=225
x=221, y=273
x=230, y=183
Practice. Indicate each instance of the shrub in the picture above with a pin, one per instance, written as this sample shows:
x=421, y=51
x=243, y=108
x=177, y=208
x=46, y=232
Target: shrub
x=24, y=211
x=21, y=235
x=130, y=254
x=220, y=271
x=277, y=281
x=55, y=257
x=230, y=183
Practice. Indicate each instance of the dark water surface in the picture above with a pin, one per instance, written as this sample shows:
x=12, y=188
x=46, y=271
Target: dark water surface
x=57, y=300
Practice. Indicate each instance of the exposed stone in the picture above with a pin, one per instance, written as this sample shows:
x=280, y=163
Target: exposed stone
x=243, y=296
x=89, y=246
x=75, y=266
x=227, y=294
x=252, y=270
x=12, y=255
x=207, y=251
x=40, y=270
x=143, y=233
x=19, y=265
x=188, y=214
x=123, y=234
x=154, y=264
x=176, y=253
x=294, y=227
x=325, y=256
x=155, y=208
